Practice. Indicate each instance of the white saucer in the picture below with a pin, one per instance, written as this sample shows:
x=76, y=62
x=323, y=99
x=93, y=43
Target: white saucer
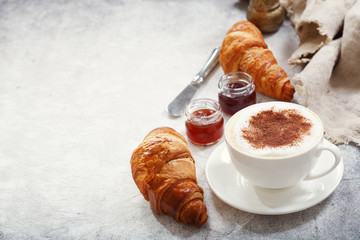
x=238, y=192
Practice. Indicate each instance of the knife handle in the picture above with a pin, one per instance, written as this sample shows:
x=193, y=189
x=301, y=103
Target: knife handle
x=209, y=65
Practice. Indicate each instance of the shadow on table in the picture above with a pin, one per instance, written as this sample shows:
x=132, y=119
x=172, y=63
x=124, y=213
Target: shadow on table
x=181, y=230
x=266, y=224
x=231, y=220
x=241, y=4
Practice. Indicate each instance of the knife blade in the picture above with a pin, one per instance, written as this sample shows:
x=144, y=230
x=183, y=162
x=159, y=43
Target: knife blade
x=177, y=106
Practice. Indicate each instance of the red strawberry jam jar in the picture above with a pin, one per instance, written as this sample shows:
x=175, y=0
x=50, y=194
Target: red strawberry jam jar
x=236, y=90
x=204, y=121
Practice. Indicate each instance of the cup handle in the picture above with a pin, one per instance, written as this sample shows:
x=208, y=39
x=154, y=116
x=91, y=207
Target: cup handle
x=325, y=145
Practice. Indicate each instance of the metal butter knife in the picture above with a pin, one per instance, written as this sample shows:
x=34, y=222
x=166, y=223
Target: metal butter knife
x=177, y=106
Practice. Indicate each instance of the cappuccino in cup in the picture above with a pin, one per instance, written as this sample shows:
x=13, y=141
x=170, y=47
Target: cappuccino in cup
x=276, y=144
x=275, y=130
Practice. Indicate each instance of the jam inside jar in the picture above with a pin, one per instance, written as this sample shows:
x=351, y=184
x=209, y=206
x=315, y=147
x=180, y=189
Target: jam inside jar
x=236, y=90
x=204, y=121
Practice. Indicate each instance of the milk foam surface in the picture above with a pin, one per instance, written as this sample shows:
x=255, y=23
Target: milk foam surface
x=307, y=141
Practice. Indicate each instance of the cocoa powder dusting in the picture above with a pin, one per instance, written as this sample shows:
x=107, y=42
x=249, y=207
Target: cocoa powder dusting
x=271, y=128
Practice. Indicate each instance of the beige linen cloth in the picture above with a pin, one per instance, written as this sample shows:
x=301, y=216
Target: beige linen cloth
x=329, y=33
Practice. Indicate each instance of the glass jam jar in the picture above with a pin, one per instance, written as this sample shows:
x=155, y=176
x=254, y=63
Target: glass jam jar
x=236, y=90
x=204, y=121
x=267, y=15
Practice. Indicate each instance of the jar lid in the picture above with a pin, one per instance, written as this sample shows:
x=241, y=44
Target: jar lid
x=192, y=111
x=237, y=83
x=267, y=5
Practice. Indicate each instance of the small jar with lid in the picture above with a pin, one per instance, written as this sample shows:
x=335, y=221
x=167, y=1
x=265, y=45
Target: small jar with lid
x=267, y=15
x=204, y=121
x=236, y=90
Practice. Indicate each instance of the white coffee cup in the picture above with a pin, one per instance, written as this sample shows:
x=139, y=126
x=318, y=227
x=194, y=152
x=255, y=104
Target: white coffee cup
x=278, y=167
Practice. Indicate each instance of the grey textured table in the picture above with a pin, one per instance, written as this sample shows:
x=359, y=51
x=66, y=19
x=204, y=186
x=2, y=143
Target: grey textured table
x=83, y=82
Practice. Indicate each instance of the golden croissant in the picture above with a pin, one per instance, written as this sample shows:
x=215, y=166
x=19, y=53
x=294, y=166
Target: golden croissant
x=244, y=49
x=164, y=171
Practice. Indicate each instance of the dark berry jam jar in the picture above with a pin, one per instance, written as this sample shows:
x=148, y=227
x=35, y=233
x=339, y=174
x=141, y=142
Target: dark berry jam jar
x=236, y=90
x=204, y=121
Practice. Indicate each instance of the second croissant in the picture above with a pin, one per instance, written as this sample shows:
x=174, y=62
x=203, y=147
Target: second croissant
x=244, y=49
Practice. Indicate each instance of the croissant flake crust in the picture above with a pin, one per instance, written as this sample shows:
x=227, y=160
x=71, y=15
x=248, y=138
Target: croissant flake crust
x=164, y=171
